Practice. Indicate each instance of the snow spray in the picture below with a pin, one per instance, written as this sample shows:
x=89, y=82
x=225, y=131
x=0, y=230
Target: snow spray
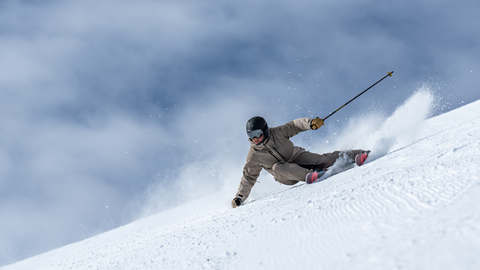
x=401, y=128
x=382, y=134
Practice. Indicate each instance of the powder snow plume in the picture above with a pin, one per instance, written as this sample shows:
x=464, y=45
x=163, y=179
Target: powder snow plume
x=382, y=134
x=401, y=129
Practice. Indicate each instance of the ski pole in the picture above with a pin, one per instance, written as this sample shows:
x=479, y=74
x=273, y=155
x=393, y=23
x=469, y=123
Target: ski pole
x=389, y=74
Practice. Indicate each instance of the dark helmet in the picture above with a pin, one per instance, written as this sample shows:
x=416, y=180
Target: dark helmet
x=256, y=127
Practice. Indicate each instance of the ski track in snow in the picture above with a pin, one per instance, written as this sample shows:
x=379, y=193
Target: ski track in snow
x=414, y=208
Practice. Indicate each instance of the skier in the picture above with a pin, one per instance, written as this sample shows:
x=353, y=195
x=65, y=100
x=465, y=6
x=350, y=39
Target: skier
x=272, y=150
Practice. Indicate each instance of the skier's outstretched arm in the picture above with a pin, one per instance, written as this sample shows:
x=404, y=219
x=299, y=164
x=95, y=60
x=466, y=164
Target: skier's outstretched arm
x=296, y=126
x=250, y=175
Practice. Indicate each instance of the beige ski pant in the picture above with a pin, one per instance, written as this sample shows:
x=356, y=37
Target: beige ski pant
x=290, y=173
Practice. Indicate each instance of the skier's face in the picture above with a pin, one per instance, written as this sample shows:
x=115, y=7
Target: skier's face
x=257, y=140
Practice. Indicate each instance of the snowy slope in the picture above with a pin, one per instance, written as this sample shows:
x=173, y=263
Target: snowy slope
x=416, y=207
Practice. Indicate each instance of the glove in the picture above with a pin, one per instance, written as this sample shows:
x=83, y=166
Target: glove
x=316, y=123
x=236, y=202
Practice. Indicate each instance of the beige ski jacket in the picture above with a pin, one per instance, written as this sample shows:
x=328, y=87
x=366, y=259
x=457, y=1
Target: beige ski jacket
x=276, y=148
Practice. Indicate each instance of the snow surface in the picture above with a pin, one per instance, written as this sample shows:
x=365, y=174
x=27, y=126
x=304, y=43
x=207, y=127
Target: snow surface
x=414, y=206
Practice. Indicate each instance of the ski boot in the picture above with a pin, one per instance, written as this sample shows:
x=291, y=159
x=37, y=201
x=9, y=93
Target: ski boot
x=314, y=176
x=360, y=158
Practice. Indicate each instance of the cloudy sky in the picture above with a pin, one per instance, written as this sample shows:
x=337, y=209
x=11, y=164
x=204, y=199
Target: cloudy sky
x=113, y=110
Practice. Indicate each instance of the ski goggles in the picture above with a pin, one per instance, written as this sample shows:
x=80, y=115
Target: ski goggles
x=255, y=134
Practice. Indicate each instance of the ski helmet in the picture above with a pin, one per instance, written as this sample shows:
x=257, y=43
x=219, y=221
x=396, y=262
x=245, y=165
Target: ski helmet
x=256, y=127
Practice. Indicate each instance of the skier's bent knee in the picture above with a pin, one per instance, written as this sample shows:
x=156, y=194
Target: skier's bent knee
x=287, y=182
